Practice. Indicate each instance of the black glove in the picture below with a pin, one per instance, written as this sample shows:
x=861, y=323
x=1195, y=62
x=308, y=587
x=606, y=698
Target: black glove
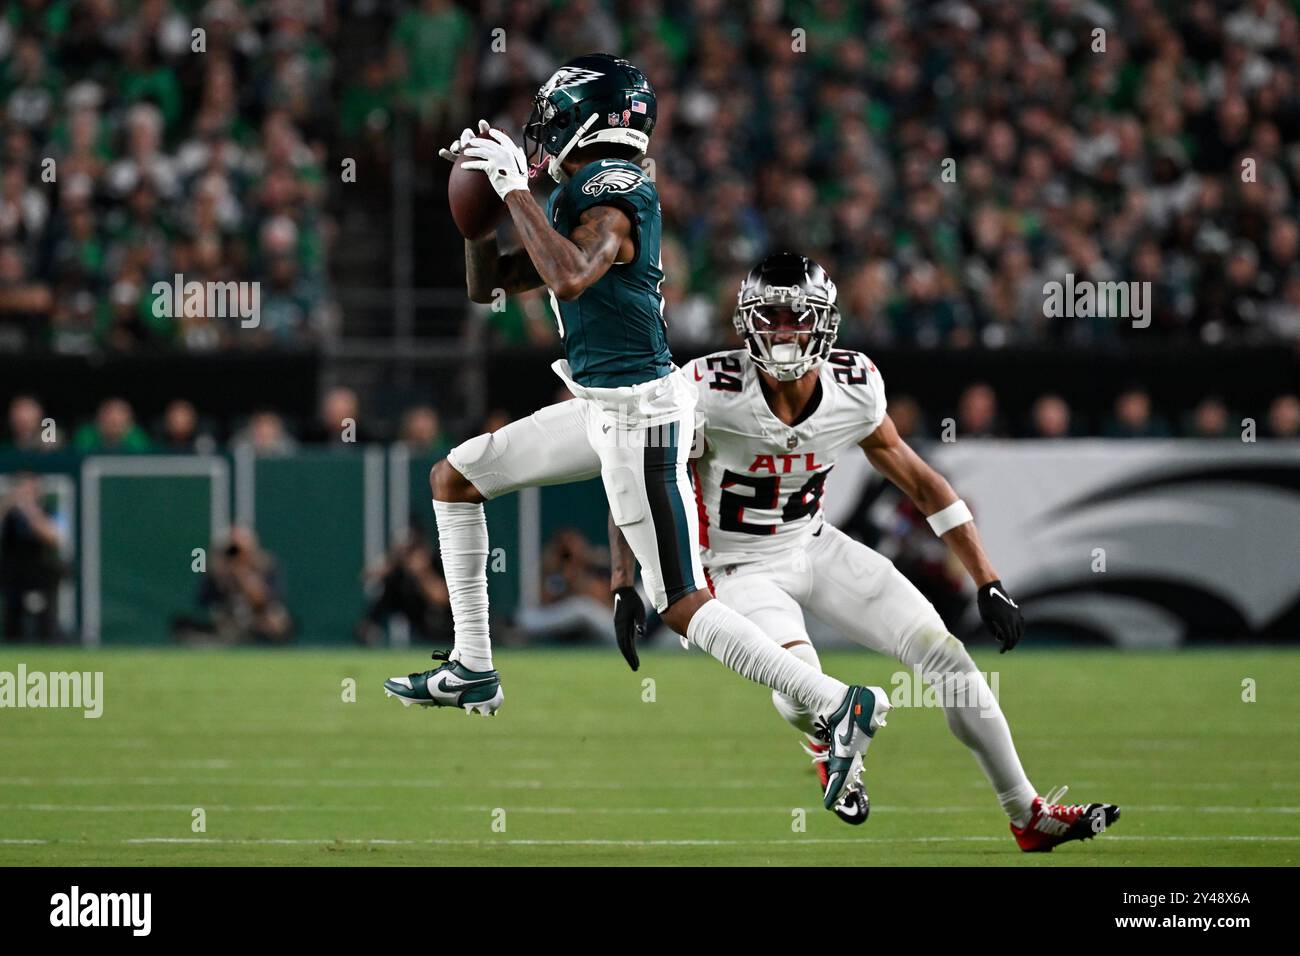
x=1001, y=615
x=629, y=623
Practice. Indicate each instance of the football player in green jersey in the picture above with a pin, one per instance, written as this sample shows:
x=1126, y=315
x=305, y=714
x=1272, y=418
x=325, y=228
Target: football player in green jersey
x=595, y=246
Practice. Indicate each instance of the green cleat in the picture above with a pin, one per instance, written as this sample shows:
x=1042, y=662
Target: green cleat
x=847, y=731
x=449, y=685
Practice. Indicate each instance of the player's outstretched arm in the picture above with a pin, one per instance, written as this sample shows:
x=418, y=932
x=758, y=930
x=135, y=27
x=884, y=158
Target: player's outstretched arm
x=934, y=497
x=629, y=611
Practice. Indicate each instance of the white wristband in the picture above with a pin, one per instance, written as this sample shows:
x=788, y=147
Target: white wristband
x=950, y=517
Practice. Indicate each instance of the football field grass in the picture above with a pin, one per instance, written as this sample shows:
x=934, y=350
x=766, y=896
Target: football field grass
x=587, y=764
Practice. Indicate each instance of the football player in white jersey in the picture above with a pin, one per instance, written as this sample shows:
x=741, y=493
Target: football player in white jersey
x=775, y=415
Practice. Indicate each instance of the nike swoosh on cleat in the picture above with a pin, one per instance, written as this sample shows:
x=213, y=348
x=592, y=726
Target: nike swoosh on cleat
x=461, y=685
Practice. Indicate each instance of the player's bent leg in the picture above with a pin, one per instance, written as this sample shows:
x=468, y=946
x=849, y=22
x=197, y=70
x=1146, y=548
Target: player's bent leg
x=448, y=484
x=847, y=716
x=854, y=806
x=793, y=711
x=861, y=593
x=764, y=592
x=975, y=718
x=548, y=447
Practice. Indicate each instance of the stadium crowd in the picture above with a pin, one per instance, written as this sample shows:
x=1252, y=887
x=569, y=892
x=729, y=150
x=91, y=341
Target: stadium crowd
x=136, y=149
x=825, y=127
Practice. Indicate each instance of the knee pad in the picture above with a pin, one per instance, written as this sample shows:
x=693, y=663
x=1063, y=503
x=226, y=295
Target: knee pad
x=624, y=496
x=480, y=449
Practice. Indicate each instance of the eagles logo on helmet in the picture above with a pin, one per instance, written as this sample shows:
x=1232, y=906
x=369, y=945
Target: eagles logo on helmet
x=595, y=98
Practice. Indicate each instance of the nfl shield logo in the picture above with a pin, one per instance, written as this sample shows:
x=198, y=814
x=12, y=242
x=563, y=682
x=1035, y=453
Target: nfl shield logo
x=791, y=441
x=613, y=119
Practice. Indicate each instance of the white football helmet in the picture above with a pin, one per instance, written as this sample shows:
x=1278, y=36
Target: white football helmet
x=786, y=313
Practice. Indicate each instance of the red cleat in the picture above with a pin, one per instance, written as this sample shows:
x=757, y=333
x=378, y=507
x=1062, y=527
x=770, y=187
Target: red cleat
x=1055, y=823
x=818, y=753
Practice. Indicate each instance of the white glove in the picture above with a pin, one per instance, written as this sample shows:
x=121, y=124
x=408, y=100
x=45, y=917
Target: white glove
x=451, y=153
x=501, y=159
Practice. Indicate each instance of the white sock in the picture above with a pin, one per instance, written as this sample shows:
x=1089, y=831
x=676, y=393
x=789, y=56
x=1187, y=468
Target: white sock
x=796, y=714
x=739, y=644
x=463, y=541
x=982, y=728
x=975, y=718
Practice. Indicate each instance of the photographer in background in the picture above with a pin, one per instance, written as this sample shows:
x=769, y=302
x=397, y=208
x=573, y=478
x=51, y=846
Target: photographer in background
x=407, y=581
x=575, y=596
x=241, y=595
x=30, y=565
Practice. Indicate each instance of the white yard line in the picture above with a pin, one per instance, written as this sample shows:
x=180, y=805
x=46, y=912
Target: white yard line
x=728, y=810
x=787, y=841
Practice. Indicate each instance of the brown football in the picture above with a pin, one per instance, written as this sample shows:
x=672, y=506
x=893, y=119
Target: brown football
x=475, y=206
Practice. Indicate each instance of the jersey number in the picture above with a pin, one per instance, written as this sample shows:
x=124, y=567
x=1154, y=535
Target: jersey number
x=766, y=495
x=726, y=374
x=847, y=370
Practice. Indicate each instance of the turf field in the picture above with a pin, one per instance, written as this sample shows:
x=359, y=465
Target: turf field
x=586, y=771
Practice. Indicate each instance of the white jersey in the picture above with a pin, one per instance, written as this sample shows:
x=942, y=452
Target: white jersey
x=758, y=481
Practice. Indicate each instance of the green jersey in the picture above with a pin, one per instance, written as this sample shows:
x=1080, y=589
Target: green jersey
x=614, y=332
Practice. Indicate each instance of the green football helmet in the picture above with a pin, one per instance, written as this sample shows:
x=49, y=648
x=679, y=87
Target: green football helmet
x=595, y=98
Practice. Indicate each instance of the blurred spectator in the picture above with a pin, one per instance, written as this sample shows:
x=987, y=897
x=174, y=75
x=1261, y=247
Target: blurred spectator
x=1210, y=420
x=907, y=417
x=27, y=431
x=241, y=597
x=180, y=430
x=25, y=303
x=421, y=432
x=339, y=421
x=265, y=436
x=1051, y=417
x=408, y=583
x=30, y=564
x=576, y=604
x=1133, y=417
x=1284, y=417
x=496, y=419
x=113, y=431
x=432, y=55
x=977, y=413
